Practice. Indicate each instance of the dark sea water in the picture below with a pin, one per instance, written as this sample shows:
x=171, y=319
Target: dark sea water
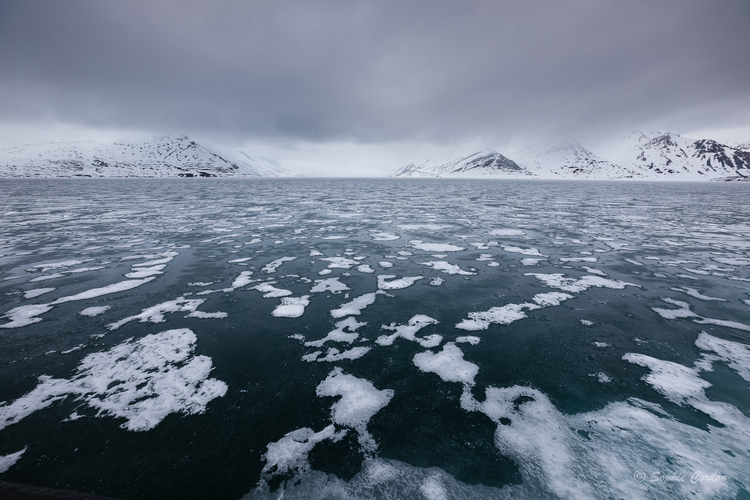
x=385, y=338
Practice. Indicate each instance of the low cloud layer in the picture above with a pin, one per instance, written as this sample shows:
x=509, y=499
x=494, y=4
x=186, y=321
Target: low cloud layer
x=367, y=72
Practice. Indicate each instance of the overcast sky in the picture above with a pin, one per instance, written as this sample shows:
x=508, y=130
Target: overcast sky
x=364, y=86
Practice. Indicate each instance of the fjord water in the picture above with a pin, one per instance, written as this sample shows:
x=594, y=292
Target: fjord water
x=381, y=338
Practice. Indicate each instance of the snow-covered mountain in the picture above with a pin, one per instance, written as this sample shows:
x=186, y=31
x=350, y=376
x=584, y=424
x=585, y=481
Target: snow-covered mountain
x=475, y=165
x=167, y=156
x=645, y=156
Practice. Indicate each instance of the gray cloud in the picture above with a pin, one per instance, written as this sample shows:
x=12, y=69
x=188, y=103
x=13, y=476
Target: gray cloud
x=376, y=71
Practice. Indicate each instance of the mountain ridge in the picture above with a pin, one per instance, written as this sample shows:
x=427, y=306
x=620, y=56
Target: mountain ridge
x=158, y=156
x=637, y=156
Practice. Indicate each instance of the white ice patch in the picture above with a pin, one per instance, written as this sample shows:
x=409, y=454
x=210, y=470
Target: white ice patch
x=30, y=294
x=734, y=354
x=695, y=293
x=579, y=259
x=578, y=285
x=355, y=306
x=155, y=314
x=524, y=251
x=340, y=262
x=315, y=253
x=237, y=261
x=333, y=355
x=602, y=377
x=507, y=232
x=468, y=339
x=676, y=382
x=59, y=265
x=364, y=268
x=435, y=247
x=145, y=272
x=437, y=281
x=594, y=271
x=531, y=262
x=105, y=290
x=339, y=335
x=332, y=285
x=409, y=331
x=360, y=401
x=25, y=315
x=396, y=284
x=271, y=267
x=384, y=236
x=427, y=227
x=449, y=364
x=291, y=307
x=270, y=291
x=510, y=313
x=446, y=267
x=602, y=344
x=8, y=461
x=94, y=311
x=587, y=322
x=385, y=264
x=733, y=261
x=289, y=454
x=141, y=381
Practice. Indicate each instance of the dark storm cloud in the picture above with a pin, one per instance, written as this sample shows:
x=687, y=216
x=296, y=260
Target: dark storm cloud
x=375, y=71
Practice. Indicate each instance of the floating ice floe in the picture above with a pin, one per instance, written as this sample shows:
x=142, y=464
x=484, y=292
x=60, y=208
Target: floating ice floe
x=364, y=268
x=145, y=272
x=332, y=285
x=507, y=232
x=340, y=262
x=587, y=322
x=435, y=247
x=355, y=306
x=30, y=294
x=695, y=293
x=339, y=335
x=396, y=284
x=468, y=339
x=510, y=313
x=270, y=291
x=8, y=461
x=427, y=227
x=447, y=268
x=385, y=264
x=594, y=271
x=243, y=279
x=360, y=401
x=602, y=377
x=238, y=261
x=524, y=251
x=58, y=265
x=93, y=311
x=531, y=262
x=384, y=236
x=437, y=281
x=272, y=266
x=333, y=355
x=449, y=364
x=105, y=290
x=579, y=285
x=409, y=332
x=25, y=315
x=683, y=311
x=578, y=259
x=291, y=307
x=155, y=314
x=141, y=381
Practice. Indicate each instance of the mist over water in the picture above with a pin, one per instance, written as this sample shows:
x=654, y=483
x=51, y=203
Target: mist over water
x=382, y=338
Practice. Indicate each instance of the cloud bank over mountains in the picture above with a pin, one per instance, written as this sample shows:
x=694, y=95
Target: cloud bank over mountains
x=300, y=76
